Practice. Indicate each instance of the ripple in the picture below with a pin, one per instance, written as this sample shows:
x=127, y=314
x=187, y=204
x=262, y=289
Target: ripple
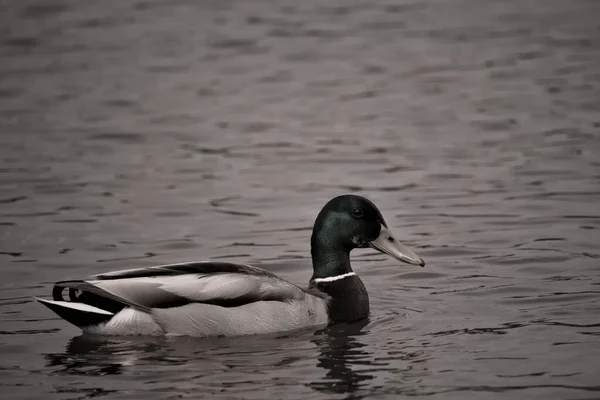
x=13, y=199
x=120, y=137
x=421, y=275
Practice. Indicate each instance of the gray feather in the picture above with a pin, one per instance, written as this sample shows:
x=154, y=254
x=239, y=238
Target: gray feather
x=225, y=289
x=199, y=319
x=223, y=284
x=197, y=267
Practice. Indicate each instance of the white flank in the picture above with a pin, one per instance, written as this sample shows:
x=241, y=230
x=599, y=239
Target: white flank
x=76, y=306
x=334, y=278
x=128, y=322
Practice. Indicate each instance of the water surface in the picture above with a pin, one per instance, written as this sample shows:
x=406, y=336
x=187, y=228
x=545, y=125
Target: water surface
x=148, y=132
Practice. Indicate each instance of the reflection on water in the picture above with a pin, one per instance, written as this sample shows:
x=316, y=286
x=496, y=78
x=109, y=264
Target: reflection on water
x=340, y=360
x=95, y=355
x=338, y=347
x=340, y=352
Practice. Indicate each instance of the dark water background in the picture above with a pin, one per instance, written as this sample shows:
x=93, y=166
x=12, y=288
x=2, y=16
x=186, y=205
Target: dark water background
x=147, y=132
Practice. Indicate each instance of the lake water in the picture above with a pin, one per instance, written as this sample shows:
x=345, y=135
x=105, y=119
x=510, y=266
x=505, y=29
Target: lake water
x=149, y=132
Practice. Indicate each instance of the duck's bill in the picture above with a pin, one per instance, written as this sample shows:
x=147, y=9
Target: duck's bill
x=387, y=243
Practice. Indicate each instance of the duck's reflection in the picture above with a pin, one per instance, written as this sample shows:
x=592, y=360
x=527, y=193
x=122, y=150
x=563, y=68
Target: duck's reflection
x=340, y=348
x=102, y=355
x=339, y=351
x=96, y=355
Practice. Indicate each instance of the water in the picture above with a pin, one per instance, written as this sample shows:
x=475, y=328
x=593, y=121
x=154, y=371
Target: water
x=147, y=132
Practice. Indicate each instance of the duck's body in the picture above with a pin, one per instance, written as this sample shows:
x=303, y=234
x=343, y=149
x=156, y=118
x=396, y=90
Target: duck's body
x=195, y=299
x=225, y=299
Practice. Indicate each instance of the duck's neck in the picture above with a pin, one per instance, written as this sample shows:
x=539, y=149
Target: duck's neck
x=328, y=259
x=348, y=298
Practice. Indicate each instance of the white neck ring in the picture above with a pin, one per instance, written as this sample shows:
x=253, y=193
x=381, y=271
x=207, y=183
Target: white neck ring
x=334, y=278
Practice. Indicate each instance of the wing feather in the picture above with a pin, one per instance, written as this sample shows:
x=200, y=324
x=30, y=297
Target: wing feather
x=174, y=285
x=197, y=267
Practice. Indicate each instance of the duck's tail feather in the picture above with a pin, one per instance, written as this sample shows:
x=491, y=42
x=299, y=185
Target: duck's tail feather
x=79, y=314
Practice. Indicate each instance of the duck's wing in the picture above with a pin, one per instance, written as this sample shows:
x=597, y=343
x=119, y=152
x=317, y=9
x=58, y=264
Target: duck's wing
x=175, y=285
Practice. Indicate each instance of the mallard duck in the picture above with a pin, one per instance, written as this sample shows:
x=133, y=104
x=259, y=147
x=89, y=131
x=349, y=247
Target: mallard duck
x=225, y=299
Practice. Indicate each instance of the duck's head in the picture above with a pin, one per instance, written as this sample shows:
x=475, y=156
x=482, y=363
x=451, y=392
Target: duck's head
x=348, y=222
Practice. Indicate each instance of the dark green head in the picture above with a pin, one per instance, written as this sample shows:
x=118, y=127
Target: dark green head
x=347, y=222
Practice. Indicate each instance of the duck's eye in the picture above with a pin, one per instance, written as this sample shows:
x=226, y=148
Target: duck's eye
x=358, y=213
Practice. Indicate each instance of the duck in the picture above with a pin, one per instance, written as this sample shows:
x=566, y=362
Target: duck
x=208, y=298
